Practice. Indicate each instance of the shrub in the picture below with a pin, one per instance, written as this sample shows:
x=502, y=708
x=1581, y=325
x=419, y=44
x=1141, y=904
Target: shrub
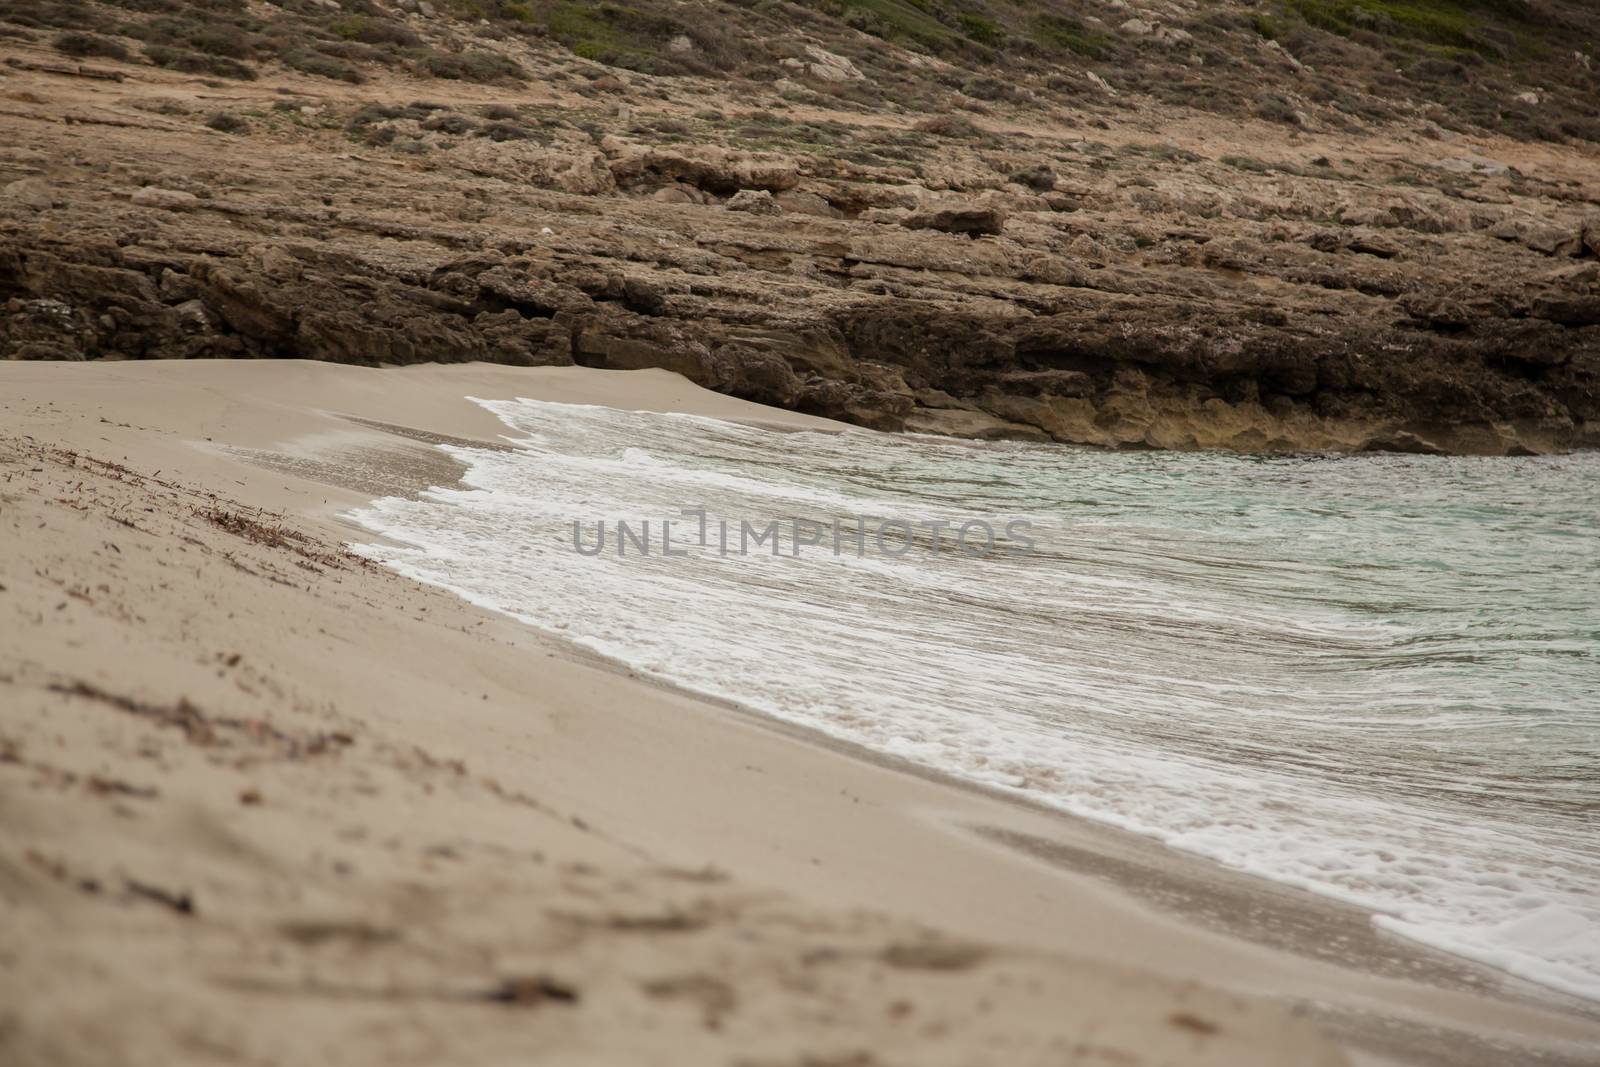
x=322, y=66
x=212, y=38
x=948, y=126
x=195, y=63
x=471, y=66
x=217, y=40
x=88, y=44
x=504, y=131
x=371, y=113
x=449, y=123
x=373, y=31
x=990, y=89
x=227, y=122
x=1249, y=163
x=1275, y=107
x=1040, y=178
x=1583, y=129
x=220, y=6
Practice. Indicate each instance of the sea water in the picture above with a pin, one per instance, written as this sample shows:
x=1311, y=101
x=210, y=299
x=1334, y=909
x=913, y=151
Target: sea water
x=1373, y=677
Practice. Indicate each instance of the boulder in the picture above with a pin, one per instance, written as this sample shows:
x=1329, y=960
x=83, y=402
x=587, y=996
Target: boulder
x=754, y=202
x=825, y=66
x=29, y=194
x=679, y=193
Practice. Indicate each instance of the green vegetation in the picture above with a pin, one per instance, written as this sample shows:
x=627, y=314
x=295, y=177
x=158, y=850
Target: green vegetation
x=636, y=38
x=1060, y=33
x=1461, y=23
x=595, y=32
x=1364, y=61
x=1266, y=26
x=981, y=28
x=913, y=22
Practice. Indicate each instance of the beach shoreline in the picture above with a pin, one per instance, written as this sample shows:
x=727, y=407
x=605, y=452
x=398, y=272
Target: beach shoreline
x=313, y=441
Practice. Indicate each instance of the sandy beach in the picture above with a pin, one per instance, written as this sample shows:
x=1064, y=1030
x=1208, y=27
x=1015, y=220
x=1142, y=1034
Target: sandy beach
x=264, y=802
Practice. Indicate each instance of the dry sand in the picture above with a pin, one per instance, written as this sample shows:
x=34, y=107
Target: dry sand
x=262, y=803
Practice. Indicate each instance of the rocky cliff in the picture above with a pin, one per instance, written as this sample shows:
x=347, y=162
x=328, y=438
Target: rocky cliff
x=1294, y=225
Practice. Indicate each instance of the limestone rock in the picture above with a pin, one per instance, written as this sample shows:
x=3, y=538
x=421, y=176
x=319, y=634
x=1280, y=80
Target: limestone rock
x=1548, y=238
x=680, y=193
x=574, y=170
x=1099, y=83
x=166, y=199
x=825, y=65
x=970, y=423
x=855, y=403
x=709, y=168
x=798, y=202
x=29, y=194
x=971, y=221
x=45, y=329
x=754, y=201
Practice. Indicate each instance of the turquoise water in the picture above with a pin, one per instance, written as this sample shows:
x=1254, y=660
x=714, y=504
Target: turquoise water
x=1377, y=678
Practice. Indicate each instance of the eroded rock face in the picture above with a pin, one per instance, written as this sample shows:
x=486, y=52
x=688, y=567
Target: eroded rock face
x=1449, y=373
x=1120, y=293
x=711, y=169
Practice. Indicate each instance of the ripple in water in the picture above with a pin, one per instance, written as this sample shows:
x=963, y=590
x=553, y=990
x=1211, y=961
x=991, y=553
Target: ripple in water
x=1377, y=678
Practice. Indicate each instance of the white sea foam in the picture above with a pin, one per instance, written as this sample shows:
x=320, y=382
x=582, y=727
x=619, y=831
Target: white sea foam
x=1376, y=678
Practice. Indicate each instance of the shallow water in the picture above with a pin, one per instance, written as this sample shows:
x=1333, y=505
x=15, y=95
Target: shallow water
x=1377, y=677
